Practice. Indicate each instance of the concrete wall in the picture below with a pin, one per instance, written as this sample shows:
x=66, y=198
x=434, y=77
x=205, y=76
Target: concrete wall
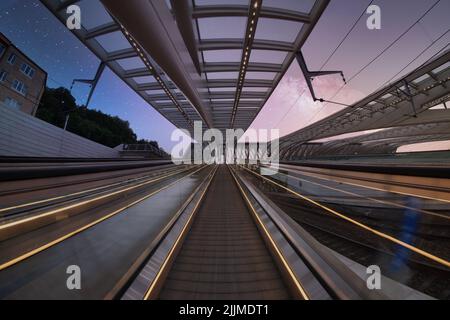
x=26, y=136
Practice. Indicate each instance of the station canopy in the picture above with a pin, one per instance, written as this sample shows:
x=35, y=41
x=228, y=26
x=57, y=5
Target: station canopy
x=238, y=52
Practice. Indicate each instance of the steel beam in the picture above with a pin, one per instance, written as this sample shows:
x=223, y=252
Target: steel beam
x=182, y=10
x=230, y=44
x=235, y=67
x=242, y=11
x=150, y=23
x=395, y=111
x=226, y=83
x=106, y=28
x=120, y=54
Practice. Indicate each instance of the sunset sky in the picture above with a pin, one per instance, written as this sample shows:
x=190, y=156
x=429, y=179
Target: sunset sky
x=38, y=33
x=291, y=107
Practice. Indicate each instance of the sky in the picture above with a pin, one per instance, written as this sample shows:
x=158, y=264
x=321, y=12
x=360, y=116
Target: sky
x=41, y=36
x=32, y=28
x=291, y=106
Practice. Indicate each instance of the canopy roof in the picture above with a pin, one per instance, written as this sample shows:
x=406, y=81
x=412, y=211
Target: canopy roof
x=238, y=52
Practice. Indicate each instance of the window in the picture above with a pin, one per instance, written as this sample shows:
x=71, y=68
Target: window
x=12, y=103
x=26, y=69
x=19, y=86
x=2, y=49
x=3, y=75
x=12, y=58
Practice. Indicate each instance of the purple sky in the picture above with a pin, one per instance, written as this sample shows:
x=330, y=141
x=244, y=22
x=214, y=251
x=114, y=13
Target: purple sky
x=291, y=107
x=33, y=29
x=46, y=40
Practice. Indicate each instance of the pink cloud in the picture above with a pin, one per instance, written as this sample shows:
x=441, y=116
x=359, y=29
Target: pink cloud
x=291, y=106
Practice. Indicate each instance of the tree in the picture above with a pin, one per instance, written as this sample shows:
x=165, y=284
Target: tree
x=94, y=125
x=151, y=142
x=55, y=103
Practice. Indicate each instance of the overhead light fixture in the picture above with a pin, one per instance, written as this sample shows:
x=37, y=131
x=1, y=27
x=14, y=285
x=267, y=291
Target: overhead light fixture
x=252, y=21
x=153, y=72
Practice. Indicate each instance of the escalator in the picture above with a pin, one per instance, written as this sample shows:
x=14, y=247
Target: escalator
x=223, y=255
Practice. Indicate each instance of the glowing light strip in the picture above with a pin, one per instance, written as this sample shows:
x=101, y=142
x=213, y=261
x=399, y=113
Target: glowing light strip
x=52, y=212
x=364, y=197
x=252, y=22
x=316, y=175
x=176, y=243
x=74, y=194
x=75, y=232
x=359, y=224
x=283, y=260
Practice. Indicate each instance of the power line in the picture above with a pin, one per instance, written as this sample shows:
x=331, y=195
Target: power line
x=434, y=55
x=57, y=82
x=394, y=42
x=332, y=54
x=345, y=37
x=292, y=106
x=417, y=57
x=334, y=102
x=379, y=55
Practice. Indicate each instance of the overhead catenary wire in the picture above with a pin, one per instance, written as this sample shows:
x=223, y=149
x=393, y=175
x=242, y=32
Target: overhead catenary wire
x=326, y=62
x=292, y=106
x=435, y=55
x=393, y=43
x=346, y=36
x=332, y=54
x=382, y=52
x=418, y=56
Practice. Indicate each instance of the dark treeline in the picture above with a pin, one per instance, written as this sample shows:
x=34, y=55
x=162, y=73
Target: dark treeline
x=91, y=124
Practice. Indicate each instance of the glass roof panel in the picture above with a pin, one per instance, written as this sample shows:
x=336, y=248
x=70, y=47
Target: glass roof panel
x=277, y=30
x=153, y=92
x=230, y=89
x=349, y=135
x=222, y=75
x=113, y=41
x=268, y=56
x=250, y=100
x=222, y=100
x=131, y=63
x=221, y=2
x=201, y=90
x=293, y=5
x=254, y=89
x=254, y=75
x=142, y=80
x=223, y=55
x=438, y=107
x=441, y=68
x=222, y=27
x=421, y=78
x=93, y=14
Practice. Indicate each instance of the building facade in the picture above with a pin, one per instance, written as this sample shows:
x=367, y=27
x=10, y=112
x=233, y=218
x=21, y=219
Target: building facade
x=22, y=82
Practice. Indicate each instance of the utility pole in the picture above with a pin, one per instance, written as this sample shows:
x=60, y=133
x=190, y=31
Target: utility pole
x=310, y=75
x=92, y=83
